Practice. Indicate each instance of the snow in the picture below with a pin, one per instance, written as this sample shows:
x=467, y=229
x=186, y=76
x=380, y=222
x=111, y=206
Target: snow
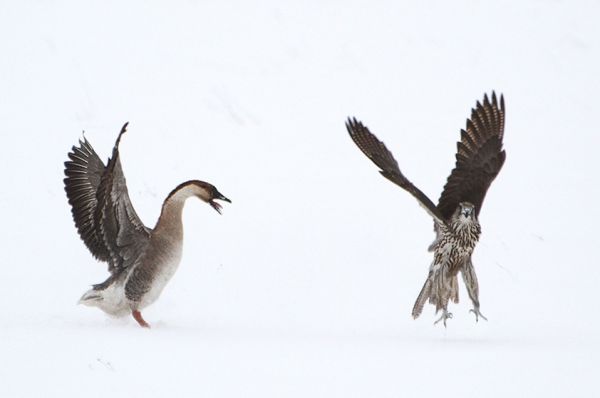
x=304, y=286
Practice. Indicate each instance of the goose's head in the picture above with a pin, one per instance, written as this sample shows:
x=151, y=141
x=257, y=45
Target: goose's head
x=208, y=193
x=203, y=190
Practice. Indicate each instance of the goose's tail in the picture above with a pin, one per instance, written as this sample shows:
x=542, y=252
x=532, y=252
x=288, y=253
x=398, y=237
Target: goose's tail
x=91, y=297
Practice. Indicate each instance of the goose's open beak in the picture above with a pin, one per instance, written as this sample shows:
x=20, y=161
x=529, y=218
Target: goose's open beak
x=215, y=205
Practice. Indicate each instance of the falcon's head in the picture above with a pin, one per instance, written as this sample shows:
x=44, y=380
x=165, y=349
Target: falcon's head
x=464, y=216
x=466, y=211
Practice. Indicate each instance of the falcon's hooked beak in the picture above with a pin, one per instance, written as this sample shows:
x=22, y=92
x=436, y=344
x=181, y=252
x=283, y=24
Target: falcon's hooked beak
x=217, y=206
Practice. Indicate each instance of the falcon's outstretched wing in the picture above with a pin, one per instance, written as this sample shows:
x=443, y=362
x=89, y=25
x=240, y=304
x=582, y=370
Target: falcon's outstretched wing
x=383, y=158
x=101, y=207
x=479, y=157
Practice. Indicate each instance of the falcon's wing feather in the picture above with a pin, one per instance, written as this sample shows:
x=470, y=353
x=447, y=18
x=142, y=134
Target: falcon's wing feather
x=376, y=150
x=122, y=232
x=479, y=157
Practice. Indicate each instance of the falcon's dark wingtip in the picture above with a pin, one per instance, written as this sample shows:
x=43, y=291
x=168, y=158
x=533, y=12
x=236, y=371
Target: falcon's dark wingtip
x=368, y=143
x=494, y=101
x=352, y=123
x=356, y=129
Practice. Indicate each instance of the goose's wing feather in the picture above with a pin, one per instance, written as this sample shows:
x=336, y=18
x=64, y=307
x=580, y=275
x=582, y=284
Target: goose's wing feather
x=102, y=210
x=479, y=157
x=376, y=150
x=123, y=233
x=83, y=174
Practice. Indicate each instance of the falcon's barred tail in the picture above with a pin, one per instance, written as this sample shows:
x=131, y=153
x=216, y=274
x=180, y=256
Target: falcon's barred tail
x=438, y=289
x=423, y=297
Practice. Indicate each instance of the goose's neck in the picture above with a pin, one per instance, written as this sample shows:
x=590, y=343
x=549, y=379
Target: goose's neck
x=169, y=221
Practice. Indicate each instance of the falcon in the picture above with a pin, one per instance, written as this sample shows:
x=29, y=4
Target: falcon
x=479, y=158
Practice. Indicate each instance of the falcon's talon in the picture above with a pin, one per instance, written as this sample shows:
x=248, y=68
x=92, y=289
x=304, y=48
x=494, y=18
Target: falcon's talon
x=445, y=315
x=477, y=314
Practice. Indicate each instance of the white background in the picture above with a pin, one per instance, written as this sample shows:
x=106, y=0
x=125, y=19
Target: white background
x=304, y=286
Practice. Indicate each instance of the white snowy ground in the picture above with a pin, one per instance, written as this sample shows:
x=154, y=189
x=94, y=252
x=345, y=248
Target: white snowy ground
x=304, y=286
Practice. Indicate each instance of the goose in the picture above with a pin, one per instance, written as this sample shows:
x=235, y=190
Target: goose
x=141, y=260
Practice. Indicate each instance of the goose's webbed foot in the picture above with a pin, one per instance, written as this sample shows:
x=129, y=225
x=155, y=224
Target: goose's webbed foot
x=138, y=317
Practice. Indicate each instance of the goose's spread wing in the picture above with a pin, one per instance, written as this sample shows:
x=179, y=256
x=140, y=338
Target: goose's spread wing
x=376, y=150
x=84, y=171
x=479, y=157
x=118, y=235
